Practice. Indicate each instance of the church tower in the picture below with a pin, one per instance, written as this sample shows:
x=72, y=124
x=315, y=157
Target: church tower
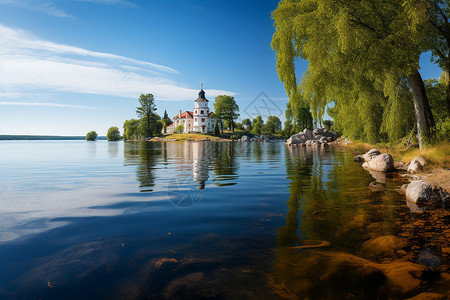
x=202, y=120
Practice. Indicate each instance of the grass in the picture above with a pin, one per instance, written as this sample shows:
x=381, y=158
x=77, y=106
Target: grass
x=191, y=136
x=438, y=156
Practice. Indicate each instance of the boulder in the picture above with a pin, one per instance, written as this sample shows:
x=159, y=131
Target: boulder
x=318, y=131
x=417, y=164
x=371, y=154
x=419, y=191
x=244, y=138
x=384, y=246
x=296, y=139
x=415, y=167
x=420, y=160
x=382, y=163
x=308, y=134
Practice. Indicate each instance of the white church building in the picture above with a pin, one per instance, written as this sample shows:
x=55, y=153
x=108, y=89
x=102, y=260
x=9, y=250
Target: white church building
x=199, y=120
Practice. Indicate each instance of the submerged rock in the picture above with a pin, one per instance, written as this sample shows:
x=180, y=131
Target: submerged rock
x=334, y=275
x=428, y=296
x=419, y=191
x=384, y=245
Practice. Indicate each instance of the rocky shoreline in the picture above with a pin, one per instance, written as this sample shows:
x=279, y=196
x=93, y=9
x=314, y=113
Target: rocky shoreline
x=420, y=194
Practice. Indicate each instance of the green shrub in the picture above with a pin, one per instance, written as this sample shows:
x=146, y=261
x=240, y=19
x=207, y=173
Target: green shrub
x=91, y=136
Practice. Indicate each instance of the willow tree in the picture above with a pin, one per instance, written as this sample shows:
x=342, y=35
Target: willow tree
x=358, y=54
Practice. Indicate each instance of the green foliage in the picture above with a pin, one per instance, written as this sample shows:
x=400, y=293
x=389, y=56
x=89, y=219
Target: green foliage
x=113, y=134
x=246, y=122
x=148, y=118
x=257, y=125
x=179, y=129
x=328, y=124
x=216, y=129
x=443, y=130
x=437, y=94
x=131, y=129
x=166, y=121
x=226, y=109
x=239, y=126
x=226, y=125
x=91, y=136
x=273, y=125
x=297, y=119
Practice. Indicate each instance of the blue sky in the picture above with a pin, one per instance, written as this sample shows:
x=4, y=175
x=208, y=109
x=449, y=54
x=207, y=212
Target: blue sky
x=71, y=66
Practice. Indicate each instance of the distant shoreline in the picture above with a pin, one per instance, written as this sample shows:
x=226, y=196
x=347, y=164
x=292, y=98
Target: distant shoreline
x=45, y=138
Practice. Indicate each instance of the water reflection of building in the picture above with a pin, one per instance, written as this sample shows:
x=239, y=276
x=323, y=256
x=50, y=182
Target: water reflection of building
x=200, y=162
x=192, y=160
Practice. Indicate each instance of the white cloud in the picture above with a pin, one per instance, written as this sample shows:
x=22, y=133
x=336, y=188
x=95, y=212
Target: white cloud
x=44, y=7
x=111, y=2
x=40, y=104
x=32, y=65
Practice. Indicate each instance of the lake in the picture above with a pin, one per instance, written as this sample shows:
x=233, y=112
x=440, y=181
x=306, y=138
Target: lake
x=185, y=220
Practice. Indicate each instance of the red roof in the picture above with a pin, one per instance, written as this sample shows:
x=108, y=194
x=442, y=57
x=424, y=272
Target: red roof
x=186, y=114
x=170, y=125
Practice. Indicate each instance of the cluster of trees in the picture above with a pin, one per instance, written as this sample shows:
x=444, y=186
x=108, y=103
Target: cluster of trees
x=364, y=57
x=226, y=111
x=149, y=123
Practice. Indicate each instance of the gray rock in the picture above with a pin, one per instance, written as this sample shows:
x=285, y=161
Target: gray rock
x=318, y=131
x=298, y=138
x=371, y=154
x=382, y=163
x=415, y=167
x=420, y=160
x=245, y=139
x=419, y=191
x=308, y=134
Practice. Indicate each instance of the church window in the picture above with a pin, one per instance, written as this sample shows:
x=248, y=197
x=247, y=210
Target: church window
x=195, y=111
x=195, y=119
x=201, y=112
x=203, y=119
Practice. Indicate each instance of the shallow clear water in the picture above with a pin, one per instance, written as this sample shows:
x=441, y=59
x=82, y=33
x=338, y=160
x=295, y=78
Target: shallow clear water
x=115, y=220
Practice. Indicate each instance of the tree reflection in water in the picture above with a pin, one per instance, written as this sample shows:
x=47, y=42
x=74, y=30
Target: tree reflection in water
x=145, y=156
x=330, y=204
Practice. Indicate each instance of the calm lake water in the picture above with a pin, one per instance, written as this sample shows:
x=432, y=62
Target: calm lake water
x=186, y=220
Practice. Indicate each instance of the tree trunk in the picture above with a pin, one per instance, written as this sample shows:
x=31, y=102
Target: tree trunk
x=232, y=125
x=221, y=127
x=425, y=121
